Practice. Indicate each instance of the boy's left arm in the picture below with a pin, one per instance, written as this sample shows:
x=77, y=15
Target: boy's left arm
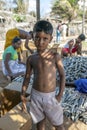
x=62, y=76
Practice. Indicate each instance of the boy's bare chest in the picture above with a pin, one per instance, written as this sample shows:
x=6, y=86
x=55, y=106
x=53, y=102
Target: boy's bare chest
x=44, y=63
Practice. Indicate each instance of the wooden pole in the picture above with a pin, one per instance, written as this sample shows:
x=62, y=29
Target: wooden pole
x=38, y=9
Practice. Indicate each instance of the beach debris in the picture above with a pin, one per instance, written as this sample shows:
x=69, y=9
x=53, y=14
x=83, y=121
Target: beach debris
x=75, y=68
x=74, y=104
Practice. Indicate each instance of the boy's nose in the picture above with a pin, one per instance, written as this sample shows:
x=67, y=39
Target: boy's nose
x=41, y=41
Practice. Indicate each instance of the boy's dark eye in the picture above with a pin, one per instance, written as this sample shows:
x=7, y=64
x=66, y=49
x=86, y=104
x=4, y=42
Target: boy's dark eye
x=44, y=39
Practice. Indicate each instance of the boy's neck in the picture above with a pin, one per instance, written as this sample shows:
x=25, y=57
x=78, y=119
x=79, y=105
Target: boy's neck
x=41, y=52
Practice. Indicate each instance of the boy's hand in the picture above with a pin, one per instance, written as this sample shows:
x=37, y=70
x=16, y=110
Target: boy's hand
x=53, y=50
x=49, y=54
x=58, y=98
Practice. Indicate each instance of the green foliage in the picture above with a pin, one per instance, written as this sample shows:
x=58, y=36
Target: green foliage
x=33, y=13
x=73, y=2
x=19, y=18
x=21, y=7
x=66, y=9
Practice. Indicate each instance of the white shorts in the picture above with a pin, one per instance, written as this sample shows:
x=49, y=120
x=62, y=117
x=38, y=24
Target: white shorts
x=45, y=105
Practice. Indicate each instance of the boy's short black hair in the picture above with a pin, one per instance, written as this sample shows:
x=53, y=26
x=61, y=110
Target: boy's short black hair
x=82, y=37
x=44, y=26
x=16, y=39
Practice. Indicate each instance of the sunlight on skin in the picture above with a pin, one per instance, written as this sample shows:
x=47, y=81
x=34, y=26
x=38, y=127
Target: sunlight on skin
x=48, y=54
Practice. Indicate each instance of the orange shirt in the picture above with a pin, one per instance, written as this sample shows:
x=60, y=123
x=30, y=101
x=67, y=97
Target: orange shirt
x=9, y=37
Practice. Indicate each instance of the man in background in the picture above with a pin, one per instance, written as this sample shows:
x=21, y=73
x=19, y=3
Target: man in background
x=11, y=33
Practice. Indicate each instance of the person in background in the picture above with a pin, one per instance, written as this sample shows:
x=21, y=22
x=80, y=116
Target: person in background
x=11, y=66
x=72, y=46
x=11, y=33
x=58, y=32
x=79, y=85
x=43, y=101
x=64, y=30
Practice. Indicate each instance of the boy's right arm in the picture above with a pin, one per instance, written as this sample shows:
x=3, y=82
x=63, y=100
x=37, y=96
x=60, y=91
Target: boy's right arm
x=26, y=83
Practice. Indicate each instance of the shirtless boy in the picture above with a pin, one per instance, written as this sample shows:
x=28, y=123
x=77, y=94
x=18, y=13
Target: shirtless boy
x=44, y=64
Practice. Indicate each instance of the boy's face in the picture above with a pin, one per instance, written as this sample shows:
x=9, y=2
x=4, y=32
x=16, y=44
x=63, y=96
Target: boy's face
x=41, y=40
